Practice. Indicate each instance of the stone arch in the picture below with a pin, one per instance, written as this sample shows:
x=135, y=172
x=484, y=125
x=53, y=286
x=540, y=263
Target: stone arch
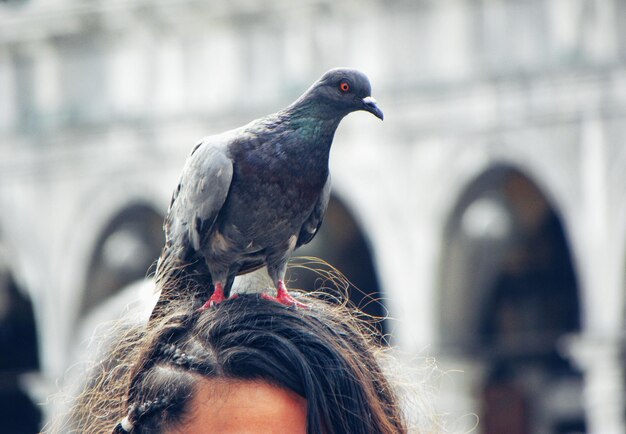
x=342, y=243
x=508, y=296
x=100, y=205
x=125, y=250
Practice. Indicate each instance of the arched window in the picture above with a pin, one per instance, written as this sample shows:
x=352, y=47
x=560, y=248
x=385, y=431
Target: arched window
x=509, y=295
x=18, y=355
x=124, y=253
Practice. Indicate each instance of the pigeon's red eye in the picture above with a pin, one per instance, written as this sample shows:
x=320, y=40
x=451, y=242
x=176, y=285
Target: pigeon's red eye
x=344, y=86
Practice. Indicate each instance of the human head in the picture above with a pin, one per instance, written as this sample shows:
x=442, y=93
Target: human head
x=321, y=353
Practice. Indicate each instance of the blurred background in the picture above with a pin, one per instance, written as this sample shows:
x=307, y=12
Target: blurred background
x=487, y=212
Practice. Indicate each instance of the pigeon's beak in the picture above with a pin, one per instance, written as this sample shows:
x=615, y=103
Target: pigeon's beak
x=369, y=104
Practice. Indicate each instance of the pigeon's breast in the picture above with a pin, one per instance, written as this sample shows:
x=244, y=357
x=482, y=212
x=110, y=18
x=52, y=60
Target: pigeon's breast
x=267, y=207
x=277, y=180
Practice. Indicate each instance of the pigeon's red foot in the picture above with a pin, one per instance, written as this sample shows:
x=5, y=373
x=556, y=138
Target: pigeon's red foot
x=217, y=297
x=283, y=297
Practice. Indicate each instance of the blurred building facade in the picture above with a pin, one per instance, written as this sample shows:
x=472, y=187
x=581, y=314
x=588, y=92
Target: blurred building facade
x=488, y=210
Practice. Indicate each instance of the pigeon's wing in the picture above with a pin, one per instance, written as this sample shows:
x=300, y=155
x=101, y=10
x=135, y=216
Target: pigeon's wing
x=200, y=195
x=313, y=223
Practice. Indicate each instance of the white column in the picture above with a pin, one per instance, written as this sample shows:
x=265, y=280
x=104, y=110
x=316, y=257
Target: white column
x=603, y=394
x=459, y=395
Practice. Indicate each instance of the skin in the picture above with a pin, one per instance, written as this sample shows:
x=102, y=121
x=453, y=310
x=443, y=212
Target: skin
x=244, y=407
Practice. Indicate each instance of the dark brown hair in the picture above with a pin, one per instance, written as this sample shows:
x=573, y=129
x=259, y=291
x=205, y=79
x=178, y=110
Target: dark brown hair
x=322, y=353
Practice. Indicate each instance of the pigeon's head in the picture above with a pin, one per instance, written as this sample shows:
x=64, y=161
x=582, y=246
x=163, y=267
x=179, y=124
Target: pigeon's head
x=346, y=90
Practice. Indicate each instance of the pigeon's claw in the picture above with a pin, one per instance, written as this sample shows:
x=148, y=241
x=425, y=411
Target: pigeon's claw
x=216, y=298
x=283, y=297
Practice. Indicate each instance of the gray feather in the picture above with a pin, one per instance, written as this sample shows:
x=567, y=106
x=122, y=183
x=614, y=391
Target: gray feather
x=314, y=222
x=200, y=194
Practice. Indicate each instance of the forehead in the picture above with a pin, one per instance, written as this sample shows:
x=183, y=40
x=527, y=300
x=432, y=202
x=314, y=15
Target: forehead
x=244, y=407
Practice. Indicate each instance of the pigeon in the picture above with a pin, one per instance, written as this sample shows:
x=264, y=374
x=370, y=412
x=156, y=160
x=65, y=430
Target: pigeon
x=247, y=198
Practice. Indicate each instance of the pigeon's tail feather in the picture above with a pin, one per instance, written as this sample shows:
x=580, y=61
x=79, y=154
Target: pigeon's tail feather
x=176, y=277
